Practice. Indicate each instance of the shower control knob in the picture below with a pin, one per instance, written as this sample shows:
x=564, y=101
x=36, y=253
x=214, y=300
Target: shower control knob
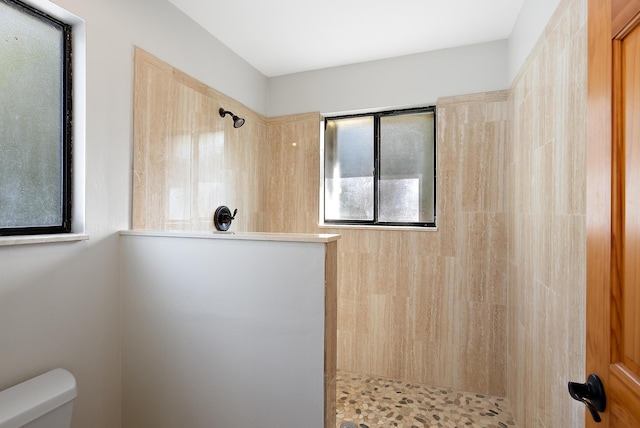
x=222, y=218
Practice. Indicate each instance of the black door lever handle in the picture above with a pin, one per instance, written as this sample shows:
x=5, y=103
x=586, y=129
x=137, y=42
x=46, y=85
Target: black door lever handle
x=591, y=394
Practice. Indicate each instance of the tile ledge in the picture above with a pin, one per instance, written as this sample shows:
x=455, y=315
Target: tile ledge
x=455, y=100
x=42, y=239
x=247, y=236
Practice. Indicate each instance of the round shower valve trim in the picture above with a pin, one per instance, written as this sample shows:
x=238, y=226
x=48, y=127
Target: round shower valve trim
x=222, y=218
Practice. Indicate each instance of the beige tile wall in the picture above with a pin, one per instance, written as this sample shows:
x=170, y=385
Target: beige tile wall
x=187, y=159
x=546, y=225
x=293, y=170
x=425, y=306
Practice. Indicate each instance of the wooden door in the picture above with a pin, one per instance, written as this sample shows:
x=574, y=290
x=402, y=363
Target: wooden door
x=613, y=208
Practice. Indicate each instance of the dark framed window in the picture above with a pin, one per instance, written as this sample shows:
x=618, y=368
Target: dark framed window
x=35, y=121
x=379, y=168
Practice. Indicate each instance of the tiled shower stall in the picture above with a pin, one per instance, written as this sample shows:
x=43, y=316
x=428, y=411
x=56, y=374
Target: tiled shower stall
x=481, y=303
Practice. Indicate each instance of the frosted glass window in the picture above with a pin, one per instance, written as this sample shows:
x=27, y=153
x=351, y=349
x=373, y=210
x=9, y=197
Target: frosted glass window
x=348, y=177
x=407, y=164
x=35, y=122
x=379, y=168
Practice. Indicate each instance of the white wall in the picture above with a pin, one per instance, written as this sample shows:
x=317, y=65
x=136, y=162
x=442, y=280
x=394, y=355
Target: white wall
x=223, y=333
x=532, y=20
x=60, y=303
x=412, y=80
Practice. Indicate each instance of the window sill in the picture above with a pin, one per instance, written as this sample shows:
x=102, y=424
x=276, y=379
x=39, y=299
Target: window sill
x=371, y=227
x=42, y=239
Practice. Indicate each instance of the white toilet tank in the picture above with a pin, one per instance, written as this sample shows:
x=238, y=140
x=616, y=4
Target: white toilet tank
x=45, y=401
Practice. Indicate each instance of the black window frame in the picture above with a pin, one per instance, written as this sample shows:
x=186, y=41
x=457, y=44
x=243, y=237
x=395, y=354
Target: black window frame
x=376, y=168
x=66, y=119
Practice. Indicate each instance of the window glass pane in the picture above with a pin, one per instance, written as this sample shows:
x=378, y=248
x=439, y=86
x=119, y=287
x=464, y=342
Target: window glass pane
x=349, y=169
x=407, y=162
x=31, y=120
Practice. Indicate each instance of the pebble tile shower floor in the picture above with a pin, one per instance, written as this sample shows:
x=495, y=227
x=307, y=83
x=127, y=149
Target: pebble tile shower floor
x=371, y=401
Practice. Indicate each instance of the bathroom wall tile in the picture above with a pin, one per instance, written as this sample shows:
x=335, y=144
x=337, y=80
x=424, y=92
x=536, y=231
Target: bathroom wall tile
x=448, y=208
x=482, y=262
x=187, y=159
x=546, y=224
x=480, y=334
x=473, y=166
x=294, y=158
x=448, y=155
x=330, y=331
x=543, y=357
x=347, y=347
x=414, y=360
x=432, y=322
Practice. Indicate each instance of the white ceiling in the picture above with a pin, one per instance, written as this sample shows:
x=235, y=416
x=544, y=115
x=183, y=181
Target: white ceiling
x=281, y=37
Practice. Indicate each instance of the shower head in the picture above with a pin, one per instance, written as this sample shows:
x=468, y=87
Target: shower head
x=237, y=121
